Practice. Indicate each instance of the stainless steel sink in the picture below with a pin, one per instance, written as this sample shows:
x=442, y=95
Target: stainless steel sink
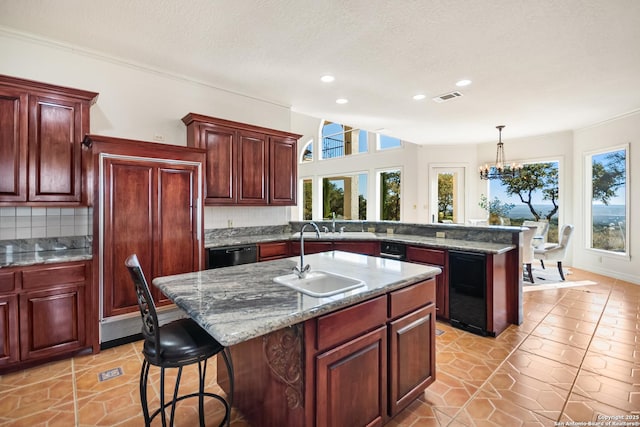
x=319, y=283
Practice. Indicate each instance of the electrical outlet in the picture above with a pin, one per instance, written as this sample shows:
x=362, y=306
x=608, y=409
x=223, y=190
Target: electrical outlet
x=371, y=229
x=389, y=230
x=158, y=137
x=229, y=223
x=440, y=234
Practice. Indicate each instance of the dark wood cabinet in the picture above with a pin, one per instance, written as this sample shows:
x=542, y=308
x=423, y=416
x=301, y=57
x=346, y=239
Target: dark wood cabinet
x=273, y=250
x=44, y=314
x=351, y=382
x=147, y=195
x=245, y=164
x=437, y=258
x=252, y=175
x=359, y=247
x=310, y=247
x=411, y=357
x=42, y=127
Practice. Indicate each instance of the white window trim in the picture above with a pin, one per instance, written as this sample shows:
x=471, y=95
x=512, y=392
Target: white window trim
x=588, y=194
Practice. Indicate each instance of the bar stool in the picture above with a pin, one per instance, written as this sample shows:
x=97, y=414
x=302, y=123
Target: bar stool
x=174, y=345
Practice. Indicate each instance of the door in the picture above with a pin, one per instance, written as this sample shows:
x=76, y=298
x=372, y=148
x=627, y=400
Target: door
x=8, y=329
x=351, y=382
x=13, y=145
x=447, y=198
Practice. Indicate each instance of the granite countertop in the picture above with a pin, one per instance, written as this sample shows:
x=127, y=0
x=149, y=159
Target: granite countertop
x=235, y=304
x=17, y=259
x=436, y=242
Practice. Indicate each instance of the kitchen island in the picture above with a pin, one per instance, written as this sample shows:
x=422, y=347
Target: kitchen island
x=353, y=358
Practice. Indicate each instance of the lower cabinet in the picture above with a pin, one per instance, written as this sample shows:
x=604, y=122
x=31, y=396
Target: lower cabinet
x=357, y=366
x=351, y=382
x=273, y=250
x=437, y=258
x=45, y=314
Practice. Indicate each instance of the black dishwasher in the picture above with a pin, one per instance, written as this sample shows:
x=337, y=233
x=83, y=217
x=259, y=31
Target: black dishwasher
x=231, y=255
x=468, y=291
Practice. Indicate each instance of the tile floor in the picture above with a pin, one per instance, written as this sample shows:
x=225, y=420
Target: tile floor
x=576, y=357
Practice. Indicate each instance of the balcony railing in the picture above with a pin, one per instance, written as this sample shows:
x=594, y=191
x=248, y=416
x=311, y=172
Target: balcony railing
x=332, y=147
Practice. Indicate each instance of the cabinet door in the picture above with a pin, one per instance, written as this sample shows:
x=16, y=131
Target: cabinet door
x=411, y=357
x=351, y=384
x=274, y=250
x=436, y=258
x=311, y=247
x=282, y=171
x=55, y=134
x=252, y=168
x=221, y=164
x=13, y=145
x=52, y=321
x=364, y=248
x=9, y=352
x=128, y=227
x=177, y=249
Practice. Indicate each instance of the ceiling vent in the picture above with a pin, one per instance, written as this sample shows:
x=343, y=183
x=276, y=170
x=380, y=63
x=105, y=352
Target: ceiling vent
x=447, y=96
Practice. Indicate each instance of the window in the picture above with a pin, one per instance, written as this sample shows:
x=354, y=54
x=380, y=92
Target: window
x=533, y=195
x=607, y=201
x=307, y=199
x=346, y=196
x=340, y=140
x=389, y=195
x=386, y=142
x=307, y=153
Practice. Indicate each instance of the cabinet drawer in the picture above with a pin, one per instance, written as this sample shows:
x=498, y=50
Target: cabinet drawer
x=58, y=274
x=276, y=249
x=345, y=324
x=427, y=256
x=7, y=281
x=408, y=299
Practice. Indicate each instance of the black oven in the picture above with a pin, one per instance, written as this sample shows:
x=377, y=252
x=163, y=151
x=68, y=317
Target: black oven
x=393, y=250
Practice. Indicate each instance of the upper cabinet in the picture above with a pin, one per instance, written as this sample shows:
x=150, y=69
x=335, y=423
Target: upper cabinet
x=41, y=130
x=246, y=164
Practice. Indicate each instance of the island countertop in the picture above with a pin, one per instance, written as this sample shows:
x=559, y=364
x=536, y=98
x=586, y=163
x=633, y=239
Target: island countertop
x=235, y=304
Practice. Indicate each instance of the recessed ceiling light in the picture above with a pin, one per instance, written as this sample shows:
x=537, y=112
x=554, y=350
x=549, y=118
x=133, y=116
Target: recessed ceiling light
x=463, y=82
x=341, y=101
x=419, y=96
x=327, y=78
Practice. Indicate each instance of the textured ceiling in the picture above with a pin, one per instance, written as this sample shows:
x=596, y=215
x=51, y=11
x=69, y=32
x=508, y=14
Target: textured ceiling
x=537, y=66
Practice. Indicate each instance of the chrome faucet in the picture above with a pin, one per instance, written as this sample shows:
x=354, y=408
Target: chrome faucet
x=302, y=270
x=333, y=222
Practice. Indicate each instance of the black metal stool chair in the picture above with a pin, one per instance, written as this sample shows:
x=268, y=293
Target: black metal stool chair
x=174, y=345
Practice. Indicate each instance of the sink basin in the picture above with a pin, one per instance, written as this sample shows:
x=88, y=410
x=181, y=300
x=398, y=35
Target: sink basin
x=319, y=283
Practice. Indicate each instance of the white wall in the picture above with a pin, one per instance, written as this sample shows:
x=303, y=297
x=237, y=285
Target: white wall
x=140, y=103
x=612, y=133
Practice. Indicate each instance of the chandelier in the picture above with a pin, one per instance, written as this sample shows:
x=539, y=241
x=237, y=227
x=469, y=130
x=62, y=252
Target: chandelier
x=500, y=169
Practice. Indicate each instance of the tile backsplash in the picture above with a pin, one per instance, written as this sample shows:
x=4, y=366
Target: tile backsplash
x=36, y=222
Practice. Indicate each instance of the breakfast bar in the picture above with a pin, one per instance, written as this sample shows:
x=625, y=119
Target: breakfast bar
x=349, y=358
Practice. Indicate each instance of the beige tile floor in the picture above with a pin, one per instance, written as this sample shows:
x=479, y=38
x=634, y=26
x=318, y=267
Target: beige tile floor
x=575, y=357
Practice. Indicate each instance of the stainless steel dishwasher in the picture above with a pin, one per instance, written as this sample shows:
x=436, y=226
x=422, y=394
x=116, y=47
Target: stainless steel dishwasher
x=231, y=255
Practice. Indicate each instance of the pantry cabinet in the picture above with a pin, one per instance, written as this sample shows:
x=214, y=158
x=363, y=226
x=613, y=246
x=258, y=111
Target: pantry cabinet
x=41, y=130
x=147, y=203
x=245, y=164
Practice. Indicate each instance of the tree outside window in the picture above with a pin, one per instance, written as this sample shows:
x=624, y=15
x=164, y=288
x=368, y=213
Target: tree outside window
x=534, y=194
x=390, y=195
x=609, y=200
x=345, y=196
x=307, y=199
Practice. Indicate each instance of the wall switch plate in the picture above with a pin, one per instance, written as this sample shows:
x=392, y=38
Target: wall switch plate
x=389, y=230
x=440, y=234
x=229, y=223
x=371, y=229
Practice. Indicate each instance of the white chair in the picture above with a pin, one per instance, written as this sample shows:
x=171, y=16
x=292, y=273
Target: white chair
x=527, y=251
x=556, y=252
x=542, y=229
